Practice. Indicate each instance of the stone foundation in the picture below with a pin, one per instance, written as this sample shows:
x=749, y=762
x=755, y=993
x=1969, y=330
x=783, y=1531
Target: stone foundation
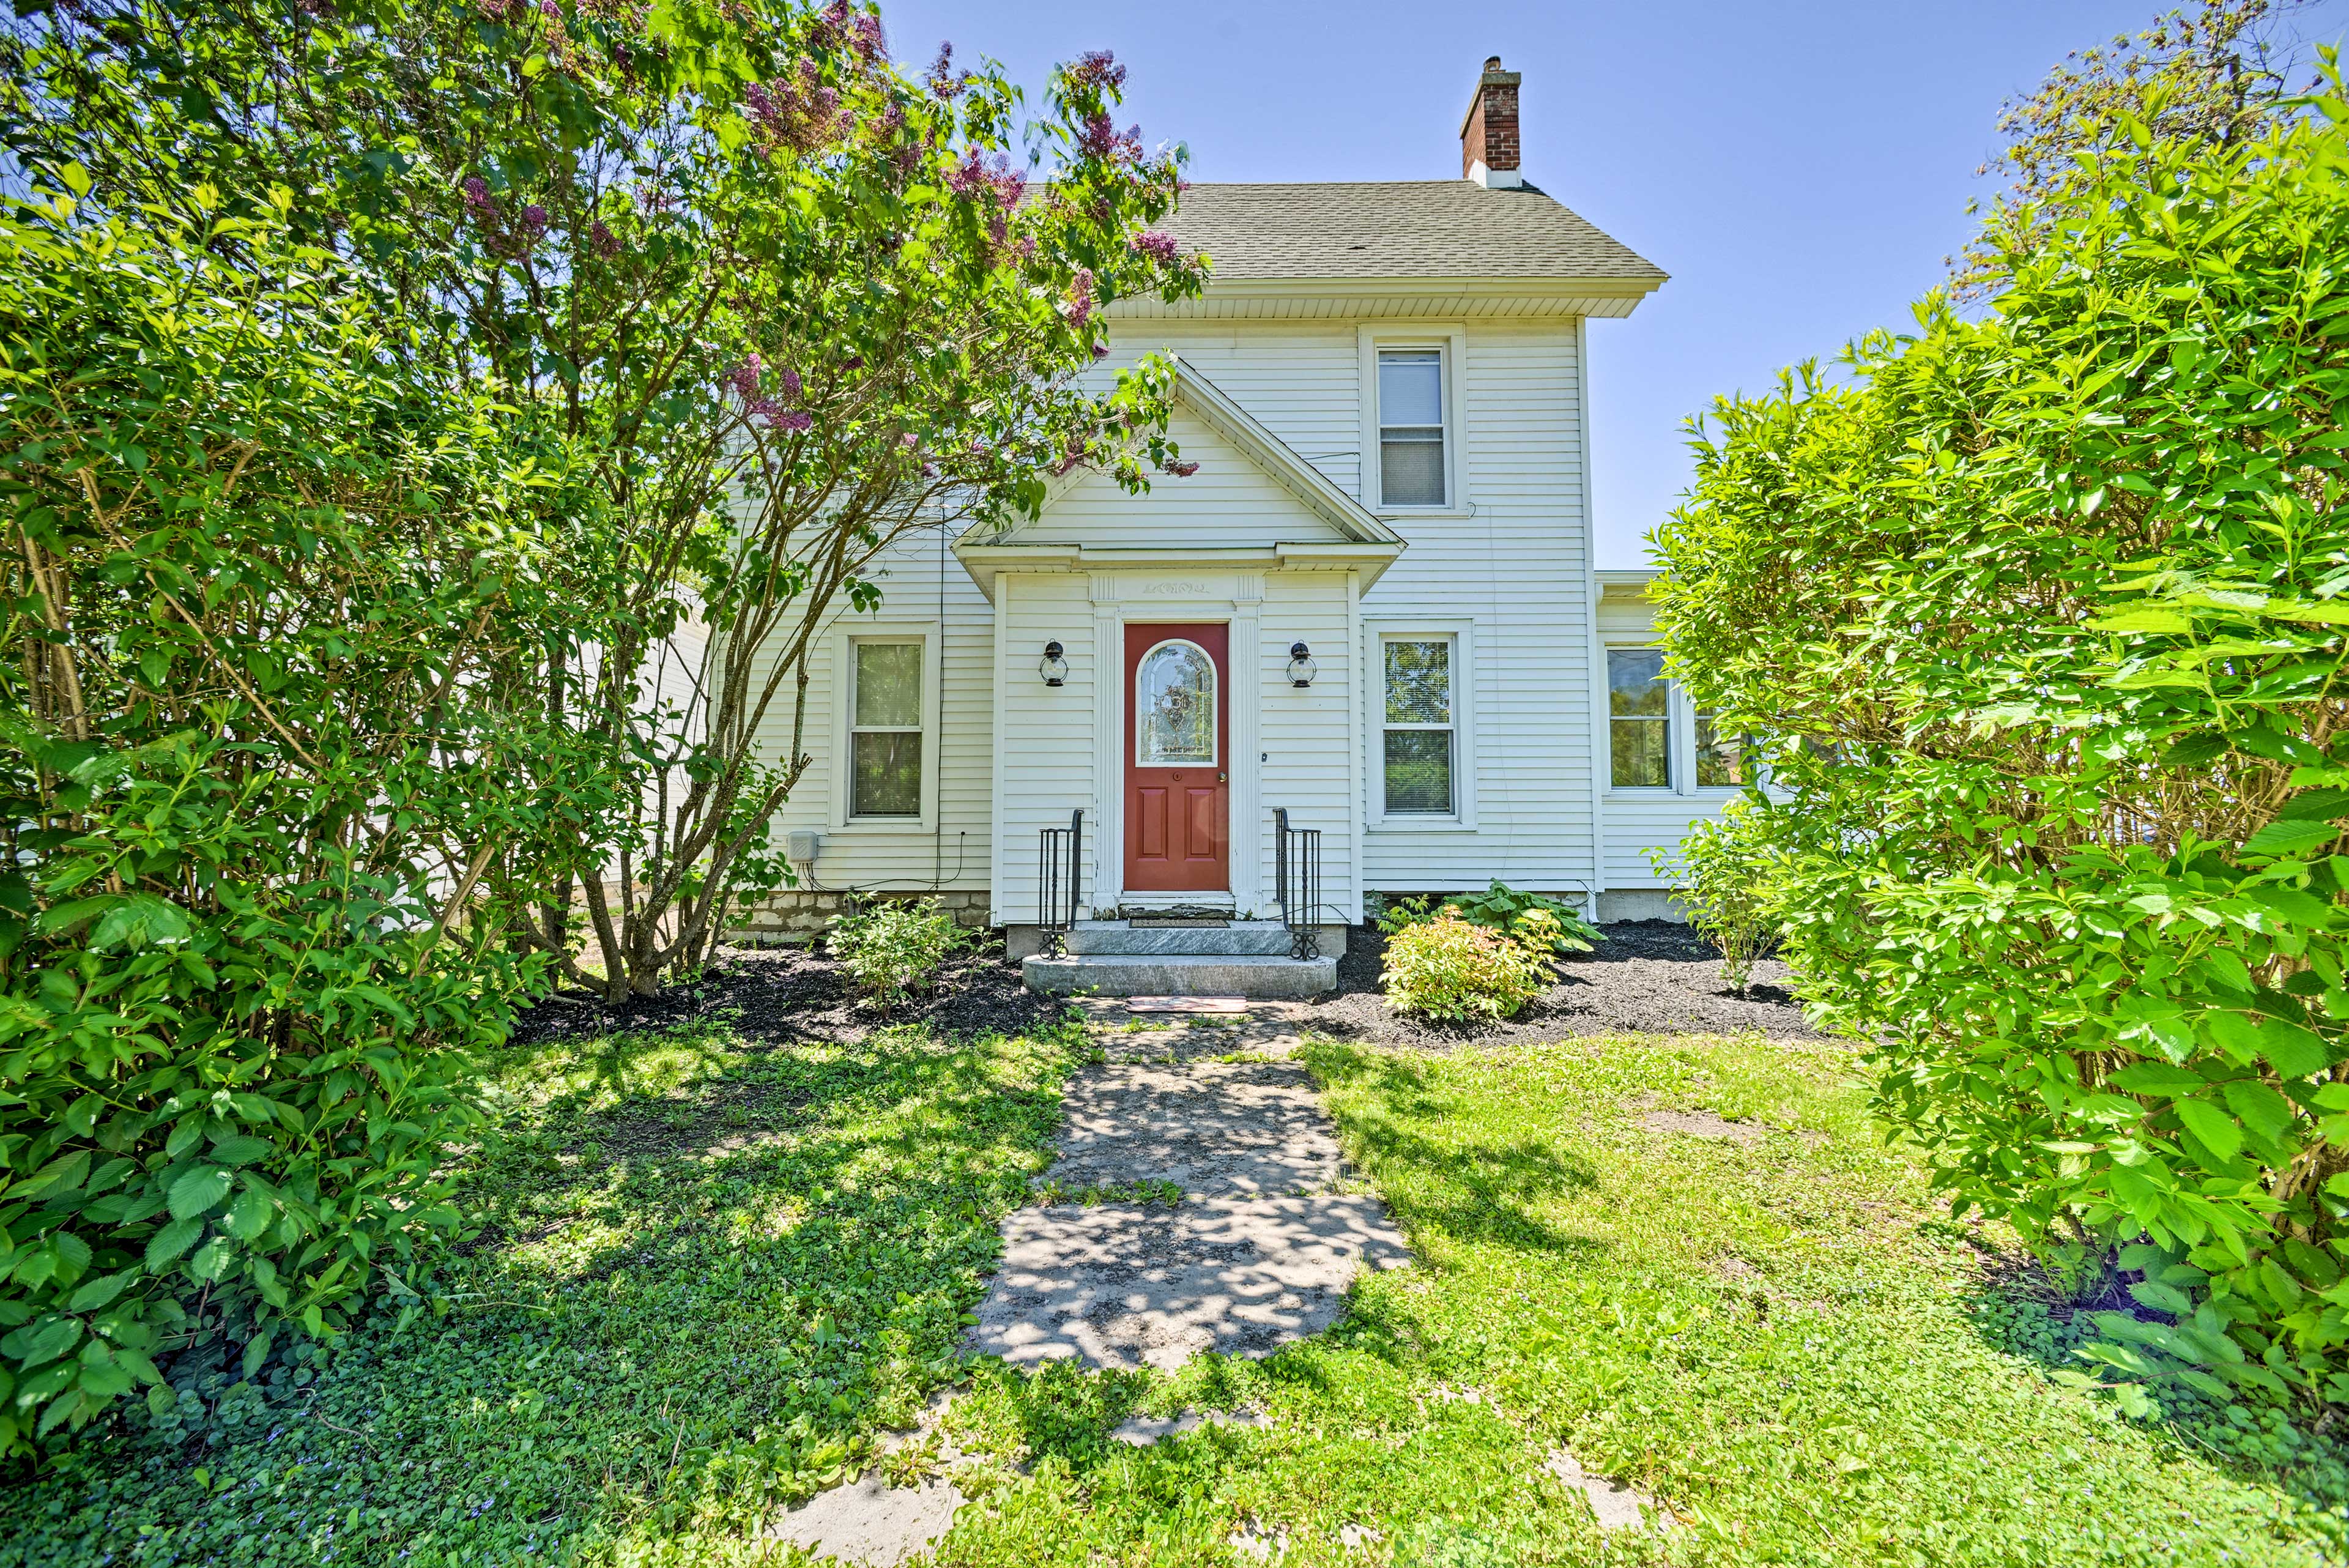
x=797, y=918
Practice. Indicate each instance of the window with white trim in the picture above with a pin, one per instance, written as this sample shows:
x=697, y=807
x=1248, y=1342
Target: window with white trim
x=1411, y=401
x=1639, y=718
x=1422, y=744
x=884, y=727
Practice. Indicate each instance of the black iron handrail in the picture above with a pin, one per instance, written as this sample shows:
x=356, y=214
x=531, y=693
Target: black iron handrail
x=1296, y=881
x=1060, y=854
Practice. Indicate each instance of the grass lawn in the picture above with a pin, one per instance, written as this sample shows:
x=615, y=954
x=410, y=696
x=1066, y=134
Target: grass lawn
x=1778, y=1340
x=721, y=1267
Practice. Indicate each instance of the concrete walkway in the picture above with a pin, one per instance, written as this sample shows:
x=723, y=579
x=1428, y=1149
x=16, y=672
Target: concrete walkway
x=1258, y=1248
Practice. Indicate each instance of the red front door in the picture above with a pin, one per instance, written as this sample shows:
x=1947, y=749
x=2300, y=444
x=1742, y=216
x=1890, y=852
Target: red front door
x=1177, y=759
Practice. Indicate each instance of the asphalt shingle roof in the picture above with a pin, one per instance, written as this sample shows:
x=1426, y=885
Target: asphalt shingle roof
x=1395, y=228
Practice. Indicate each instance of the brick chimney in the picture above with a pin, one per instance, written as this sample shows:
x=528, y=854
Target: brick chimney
x=1488, y=135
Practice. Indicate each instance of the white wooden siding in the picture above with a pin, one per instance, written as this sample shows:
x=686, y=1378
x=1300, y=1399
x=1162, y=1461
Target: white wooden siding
x=1228, y=502
x=1512, y=557
x=1047, y=762
x=950, y=851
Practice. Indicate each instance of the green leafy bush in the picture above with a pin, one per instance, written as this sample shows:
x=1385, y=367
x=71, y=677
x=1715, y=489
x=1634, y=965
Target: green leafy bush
x=2044, y=609
x=1730, y=866
x=1548, y=924
x=896, y=947
x=264, y=591
x=1451, y=967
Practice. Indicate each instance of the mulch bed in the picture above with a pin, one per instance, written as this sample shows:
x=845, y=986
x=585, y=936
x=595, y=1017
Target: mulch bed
x=1647, y=977
x=787, y=994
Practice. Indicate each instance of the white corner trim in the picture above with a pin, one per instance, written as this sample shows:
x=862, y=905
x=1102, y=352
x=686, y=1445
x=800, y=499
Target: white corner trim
x=1494, y=179
x=1452, y=338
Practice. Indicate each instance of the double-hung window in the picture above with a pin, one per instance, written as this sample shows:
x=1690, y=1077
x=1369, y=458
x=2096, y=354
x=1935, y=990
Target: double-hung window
x=884, y=735
x=1639, y=718
x=1422, y=727
x=1410, y=427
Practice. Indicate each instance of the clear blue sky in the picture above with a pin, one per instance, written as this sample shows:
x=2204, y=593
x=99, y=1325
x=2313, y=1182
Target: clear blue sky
x=1800, y=168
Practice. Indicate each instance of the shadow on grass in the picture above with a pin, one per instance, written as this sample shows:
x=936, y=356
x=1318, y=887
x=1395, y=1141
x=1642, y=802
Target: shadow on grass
x=704, y=1324
x=2014, y=1309
x=1436, y=1180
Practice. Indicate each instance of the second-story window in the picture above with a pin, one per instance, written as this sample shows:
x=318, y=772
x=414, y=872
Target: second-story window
x=1411, y=426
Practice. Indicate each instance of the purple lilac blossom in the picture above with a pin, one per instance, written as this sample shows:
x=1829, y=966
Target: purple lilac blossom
x=1158, y=245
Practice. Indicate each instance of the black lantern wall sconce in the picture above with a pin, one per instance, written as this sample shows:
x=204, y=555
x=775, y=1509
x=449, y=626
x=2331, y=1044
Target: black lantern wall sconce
x=1053, y=667
x=1301, y=668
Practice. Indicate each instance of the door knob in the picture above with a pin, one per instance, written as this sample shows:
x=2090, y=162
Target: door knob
x=1221, y=778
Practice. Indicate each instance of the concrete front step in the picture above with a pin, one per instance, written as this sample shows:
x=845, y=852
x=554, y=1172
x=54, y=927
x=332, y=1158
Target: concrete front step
x=1260, y=979
x=1240, y=938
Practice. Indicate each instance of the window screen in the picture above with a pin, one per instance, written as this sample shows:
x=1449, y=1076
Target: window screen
x=1639, y=718
x=1421, y=735
x=1411, y=426
x=886, y=730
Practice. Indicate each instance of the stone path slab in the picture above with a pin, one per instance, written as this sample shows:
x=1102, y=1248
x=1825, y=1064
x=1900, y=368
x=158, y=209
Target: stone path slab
x=1129, y=1285
x=871, y=1523
x=1213, y=1129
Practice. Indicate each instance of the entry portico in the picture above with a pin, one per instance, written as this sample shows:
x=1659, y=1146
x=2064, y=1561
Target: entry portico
x=1178, y=727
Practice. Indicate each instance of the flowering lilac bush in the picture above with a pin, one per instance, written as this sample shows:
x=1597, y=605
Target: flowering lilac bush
x=742, y=256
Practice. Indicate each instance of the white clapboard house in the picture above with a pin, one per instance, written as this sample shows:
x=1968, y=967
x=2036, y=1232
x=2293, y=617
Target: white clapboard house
x=1362, y=651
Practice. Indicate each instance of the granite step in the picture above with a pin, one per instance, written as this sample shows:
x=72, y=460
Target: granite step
x=1240, y=938
x=1258, y=977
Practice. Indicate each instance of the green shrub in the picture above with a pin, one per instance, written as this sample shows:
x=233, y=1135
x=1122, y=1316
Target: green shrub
x=1730, y=866
x=1548, y=924
x=2044, y=610
x=1449, y=967
x=265, y=586
x=896, y=947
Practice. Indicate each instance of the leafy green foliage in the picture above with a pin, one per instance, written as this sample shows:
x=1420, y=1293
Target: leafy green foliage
x=895, y=947
x=1448, y=968
x=715, y=1269
x=2217, y=72
x=2043, y=612
x=1729, y=868
x=788, y=296
x=265, y=595
x=1558, y=927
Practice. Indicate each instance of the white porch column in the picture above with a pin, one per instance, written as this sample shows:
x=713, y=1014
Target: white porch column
x=1247, y=783
x=1106, y=886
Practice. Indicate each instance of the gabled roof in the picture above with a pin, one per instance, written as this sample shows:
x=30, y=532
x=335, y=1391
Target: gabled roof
x=1396, y=229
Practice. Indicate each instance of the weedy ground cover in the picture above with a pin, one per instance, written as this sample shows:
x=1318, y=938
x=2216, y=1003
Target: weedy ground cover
x=716, y=1268
x=1771, y=1333
x=720, y=1267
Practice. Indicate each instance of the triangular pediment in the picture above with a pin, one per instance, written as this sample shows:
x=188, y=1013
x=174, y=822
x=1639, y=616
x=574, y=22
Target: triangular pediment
x=1249, y=491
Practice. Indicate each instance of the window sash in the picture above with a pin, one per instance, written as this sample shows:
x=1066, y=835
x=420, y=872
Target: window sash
x=1419, y=773
x=1413, y=460
x=886, y=751
x=1638, y=720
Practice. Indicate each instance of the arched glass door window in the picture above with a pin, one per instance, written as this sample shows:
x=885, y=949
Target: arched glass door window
x=1174, y=698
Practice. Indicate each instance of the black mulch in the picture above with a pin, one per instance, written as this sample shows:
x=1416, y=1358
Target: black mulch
x=1647, y=977
x=787, y=994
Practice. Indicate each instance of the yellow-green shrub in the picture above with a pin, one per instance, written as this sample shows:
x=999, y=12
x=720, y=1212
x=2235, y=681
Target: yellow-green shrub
x=1448, y=968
